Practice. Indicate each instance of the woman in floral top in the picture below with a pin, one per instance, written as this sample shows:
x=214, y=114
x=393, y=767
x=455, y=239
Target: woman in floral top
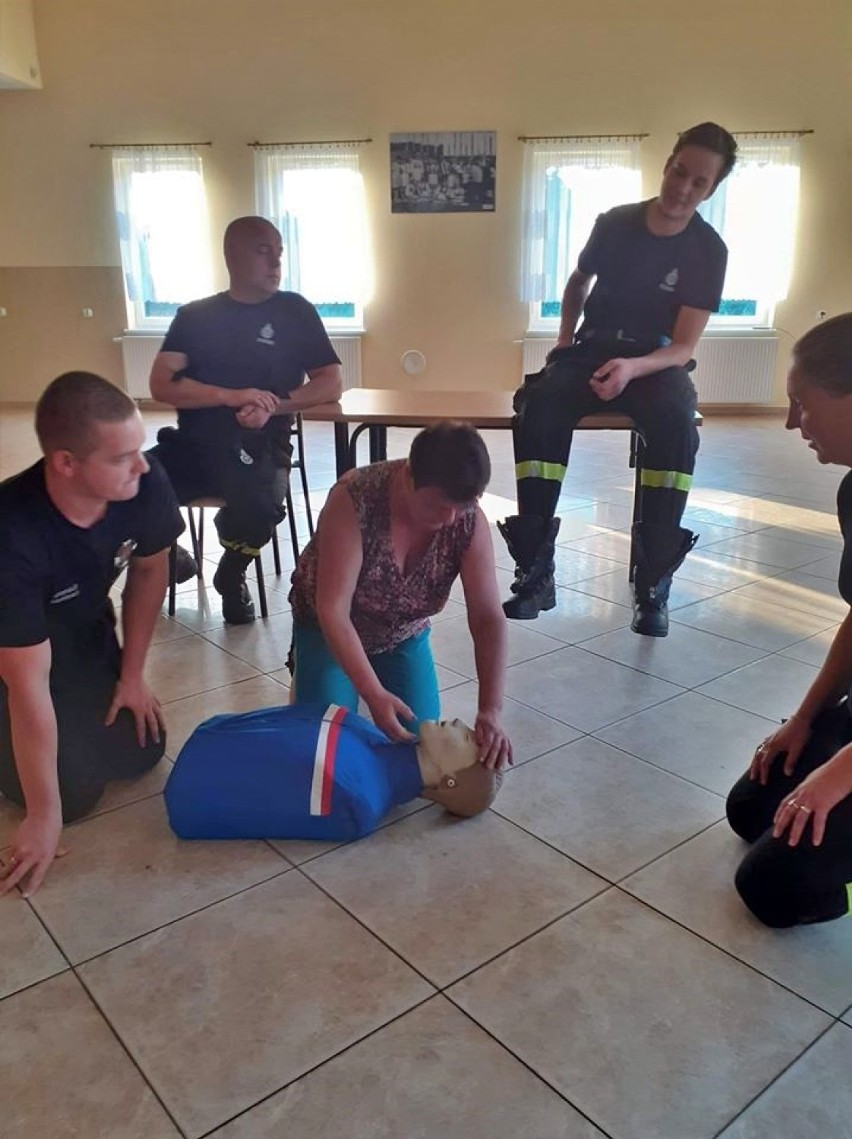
x=390, y=542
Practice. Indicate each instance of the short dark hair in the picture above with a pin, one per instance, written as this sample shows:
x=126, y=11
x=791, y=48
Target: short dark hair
x=452, y=457
x=71, y=407
x=825, y=354
x=711, y=136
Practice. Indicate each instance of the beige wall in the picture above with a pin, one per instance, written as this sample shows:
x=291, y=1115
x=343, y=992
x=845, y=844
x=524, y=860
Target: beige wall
x=237, y=70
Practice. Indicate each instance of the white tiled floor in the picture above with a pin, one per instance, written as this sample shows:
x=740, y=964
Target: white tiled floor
x=573, y=965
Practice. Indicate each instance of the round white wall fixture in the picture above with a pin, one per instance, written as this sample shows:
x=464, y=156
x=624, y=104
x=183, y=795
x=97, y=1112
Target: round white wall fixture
x=413, y=362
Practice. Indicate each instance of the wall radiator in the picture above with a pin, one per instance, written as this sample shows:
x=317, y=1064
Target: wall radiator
x=348, y=348
x=730, y=369
x=138, y=352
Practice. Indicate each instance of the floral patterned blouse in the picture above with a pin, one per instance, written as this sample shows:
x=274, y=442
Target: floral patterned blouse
x=388, y=605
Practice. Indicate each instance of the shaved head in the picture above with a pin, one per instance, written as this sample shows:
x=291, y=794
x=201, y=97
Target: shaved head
x=242, y=231
x=253, y=256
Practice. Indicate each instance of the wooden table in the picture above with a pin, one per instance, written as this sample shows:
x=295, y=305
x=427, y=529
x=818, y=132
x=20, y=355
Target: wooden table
x=376, y=409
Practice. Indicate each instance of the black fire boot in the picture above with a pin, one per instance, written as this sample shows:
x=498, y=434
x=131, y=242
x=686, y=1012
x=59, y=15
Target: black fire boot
x=186, y=567
x=530, y=539
x=230, y=580
x=658, y=551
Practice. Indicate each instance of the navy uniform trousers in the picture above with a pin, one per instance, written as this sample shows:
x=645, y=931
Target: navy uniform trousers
x=549, y=405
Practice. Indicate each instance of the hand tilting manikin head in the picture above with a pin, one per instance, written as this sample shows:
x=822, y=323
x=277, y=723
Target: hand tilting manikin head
x=449, y=765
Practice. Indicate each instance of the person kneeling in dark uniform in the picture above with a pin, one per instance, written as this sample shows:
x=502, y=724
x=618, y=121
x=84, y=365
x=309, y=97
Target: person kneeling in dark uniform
x=75, y=710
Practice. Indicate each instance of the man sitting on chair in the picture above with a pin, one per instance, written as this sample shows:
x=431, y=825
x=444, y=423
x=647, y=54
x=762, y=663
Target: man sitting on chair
x=234, y=366
x=658, y=270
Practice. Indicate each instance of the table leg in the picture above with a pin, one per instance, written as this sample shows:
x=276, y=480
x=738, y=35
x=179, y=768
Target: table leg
x=378, y=443
x=341, y=448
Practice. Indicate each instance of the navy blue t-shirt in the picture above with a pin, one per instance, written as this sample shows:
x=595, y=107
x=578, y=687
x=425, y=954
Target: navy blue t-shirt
x=643, y=280
x=231, y=344
x=55, y=576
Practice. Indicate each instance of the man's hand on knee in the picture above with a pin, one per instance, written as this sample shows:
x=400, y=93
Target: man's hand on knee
x=612, y=378
x=140, y=701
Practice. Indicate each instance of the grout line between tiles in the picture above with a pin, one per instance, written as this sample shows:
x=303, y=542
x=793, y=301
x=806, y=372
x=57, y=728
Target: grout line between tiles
x=286, y=868
x=774, y=1080
x=721, y=948
x=502, y=1044
x=126, y=1050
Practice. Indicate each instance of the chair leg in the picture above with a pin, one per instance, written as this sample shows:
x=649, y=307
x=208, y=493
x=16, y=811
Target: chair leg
x=294, y=537
x=306, y=494
x=172, y=577
x=196, y=536
x=261, y=587
x=303, y=474
x=276, y=549
x=637, y=455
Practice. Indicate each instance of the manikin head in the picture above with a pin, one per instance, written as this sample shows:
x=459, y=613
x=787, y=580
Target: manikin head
x=252, y=248
x=92, y=437
x=819, y=388
x=452, y=774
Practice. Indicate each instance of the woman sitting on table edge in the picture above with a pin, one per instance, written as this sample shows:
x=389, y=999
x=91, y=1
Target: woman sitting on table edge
x=390, y=542
x=795, y=801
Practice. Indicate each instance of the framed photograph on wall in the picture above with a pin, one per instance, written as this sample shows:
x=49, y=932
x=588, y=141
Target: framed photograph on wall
x=443, y=172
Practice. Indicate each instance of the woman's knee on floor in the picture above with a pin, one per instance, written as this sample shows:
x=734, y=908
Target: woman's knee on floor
x=784, y=886
x=748, y=813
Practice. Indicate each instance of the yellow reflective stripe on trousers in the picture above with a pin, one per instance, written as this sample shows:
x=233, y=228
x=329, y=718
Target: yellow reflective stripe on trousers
x=668, y=480
x=535, y=469
x=849, y=896
x=240, y=548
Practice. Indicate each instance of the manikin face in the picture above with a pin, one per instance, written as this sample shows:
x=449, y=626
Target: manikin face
x=111, y=471
x=823, y=419
x=254, y=262
x=449, y=744
x=689, y=178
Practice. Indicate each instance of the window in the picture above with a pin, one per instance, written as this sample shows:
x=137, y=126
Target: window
x=567, y=183
x=314, y=194
x=161, y=212
x=755, y=211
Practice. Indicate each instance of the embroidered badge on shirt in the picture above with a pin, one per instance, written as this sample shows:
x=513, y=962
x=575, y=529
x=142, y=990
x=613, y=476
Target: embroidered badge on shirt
x=267, y=335
x=123, y=553
x=669, y=281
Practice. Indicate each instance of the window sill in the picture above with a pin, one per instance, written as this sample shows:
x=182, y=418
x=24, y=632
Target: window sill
x=720, y=331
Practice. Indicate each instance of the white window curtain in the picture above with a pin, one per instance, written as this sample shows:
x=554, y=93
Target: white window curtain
x=315, y=196
x=567, y=183
x=164, y=240
x=755, y=211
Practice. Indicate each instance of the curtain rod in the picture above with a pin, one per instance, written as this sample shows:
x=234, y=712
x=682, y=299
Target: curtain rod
x=578, y=137
x=771, y=134
x=144, y=145
x=313, y=142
